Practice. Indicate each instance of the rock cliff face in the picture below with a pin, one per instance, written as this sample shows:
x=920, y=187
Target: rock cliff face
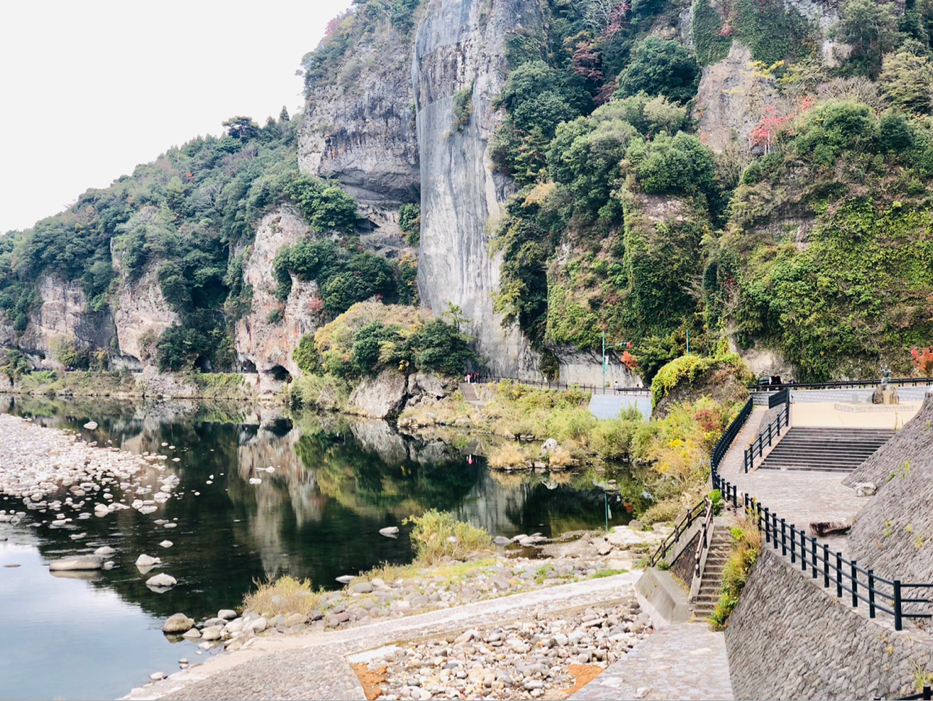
x=141, y=314
x=461, y=46
x=62, y=317
x=266, y=346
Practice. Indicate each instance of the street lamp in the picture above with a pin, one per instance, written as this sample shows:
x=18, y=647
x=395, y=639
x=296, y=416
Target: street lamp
x=625, y=344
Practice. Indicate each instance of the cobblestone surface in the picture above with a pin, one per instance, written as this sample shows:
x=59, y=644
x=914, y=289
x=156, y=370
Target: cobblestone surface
x=685, y=661
x=314, y=666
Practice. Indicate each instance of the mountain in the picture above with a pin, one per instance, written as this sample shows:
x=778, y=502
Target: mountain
x=553, y=170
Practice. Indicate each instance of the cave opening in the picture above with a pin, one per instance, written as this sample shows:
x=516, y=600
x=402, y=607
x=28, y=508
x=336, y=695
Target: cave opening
x=203, y=363
x=248, y=366
x=280, y=374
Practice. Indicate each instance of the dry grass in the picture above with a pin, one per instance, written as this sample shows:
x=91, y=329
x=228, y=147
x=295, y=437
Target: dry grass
x=561, y=457
x=438, y=536
x=284, y=596
x=508, y=456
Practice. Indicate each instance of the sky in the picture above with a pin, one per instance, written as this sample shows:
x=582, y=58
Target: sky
x=90, y=89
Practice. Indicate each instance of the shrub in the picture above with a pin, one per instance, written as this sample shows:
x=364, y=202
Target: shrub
x=463, y=107
x=746, y=545
x=662, y=512
x=324, y=207
x=281, y=597
x=438, y=536
x=507, y=456
x=409, y=221
x=660, y=67
x=276, y=316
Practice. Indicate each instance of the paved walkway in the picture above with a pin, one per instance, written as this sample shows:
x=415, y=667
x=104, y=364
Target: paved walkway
x=686, y=661
x=314, y=666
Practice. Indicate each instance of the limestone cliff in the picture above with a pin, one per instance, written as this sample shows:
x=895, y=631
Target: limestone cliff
x=264, y=344
x=141, y=314
x=460, y=45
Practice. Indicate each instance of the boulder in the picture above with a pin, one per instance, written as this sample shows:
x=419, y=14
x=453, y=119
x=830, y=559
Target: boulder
x=146, y=561
x=77, y=563
x=192, y=634
x=212, y=633
x=105, y=551
x=549, y=446
x=380, y=397
x=177, y=623
x=161, y=581
x=823, y=528
x=295, y=619
x=502, y=540
x=389, y=531
x=363, y=587
x=90, y=425
x=226, y=614
x=166, y=543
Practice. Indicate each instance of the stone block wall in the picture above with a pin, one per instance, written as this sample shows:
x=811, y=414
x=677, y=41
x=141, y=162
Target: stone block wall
x=789, y=638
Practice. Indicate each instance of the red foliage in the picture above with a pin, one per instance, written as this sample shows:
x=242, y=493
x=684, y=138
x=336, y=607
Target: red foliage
x=316, y=305
x=588, y=62
x=335, y=23
x=766, y=131
x=726, y=30
x=629, y=360
x=616, y=20
x=923, y=360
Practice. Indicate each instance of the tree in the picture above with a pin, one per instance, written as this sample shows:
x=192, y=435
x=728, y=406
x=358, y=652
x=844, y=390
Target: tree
x=922, y=359
x=241, y=128
x=907, y=80
x=870, y=27
x=660, y=67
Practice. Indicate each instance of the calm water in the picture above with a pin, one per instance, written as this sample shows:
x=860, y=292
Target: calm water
x=336, y=483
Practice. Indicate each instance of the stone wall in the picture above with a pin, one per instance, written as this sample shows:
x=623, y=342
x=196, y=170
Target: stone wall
x=788, y=638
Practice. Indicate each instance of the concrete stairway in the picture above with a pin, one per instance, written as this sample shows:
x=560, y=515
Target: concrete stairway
x=711, y=577
x=832, y=449
x=468, y=390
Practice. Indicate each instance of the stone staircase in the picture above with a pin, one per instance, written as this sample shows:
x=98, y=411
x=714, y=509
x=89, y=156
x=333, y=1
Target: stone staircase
x=468, y=390
x=711, y=577
x=830, y=449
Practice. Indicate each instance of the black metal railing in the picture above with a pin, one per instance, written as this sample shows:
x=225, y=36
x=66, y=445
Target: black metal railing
x=767, y=437
x=722, y=447
x=782, y=397
x=705, y=538
x=891, y=596
x=926, y=695
x=564, y=386
x=682, y=527
x=842, y=384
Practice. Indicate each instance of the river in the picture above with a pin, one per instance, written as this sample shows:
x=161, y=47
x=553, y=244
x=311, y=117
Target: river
x=335, y=483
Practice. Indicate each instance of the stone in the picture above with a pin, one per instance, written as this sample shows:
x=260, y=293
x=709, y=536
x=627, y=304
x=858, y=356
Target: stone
x=161, y=582
x=77, y=563
x=155, y=676
x=501, y=540
x=90, y=425
x=865, y=489
x=192, y=634
x=177, y=623
x=824, y=528
x=363, y=587
x=636, y=525
x=109, y=565
x=295, y=619
x=147, y=561
x=105, y=551
x=389, y=531
x=257, y=626
x=166, y=543
x=877, y=397
x=211, y=633
x=226, y=614
x=603, y=547
x=549, y=446
x=344, y=579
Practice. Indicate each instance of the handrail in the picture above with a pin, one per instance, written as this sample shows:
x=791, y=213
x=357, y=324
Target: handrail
x=702, y=551
x=682, y=527
x=831, y=566
x=563, y=386
x=770, y=433
x=722, y=446
x=841, y=384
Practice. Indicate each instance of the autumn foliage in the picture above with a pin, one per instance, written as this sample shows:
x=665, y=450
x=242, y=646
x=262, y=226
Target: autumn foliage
x=922, y=358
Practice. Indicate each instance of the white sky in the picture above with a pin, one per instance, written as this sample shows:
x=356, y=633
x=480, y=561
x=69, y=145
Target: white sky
x=91, y=88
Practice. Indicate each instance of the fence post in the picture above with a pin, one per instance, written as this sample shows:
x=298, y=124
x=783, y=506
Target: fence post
x=783, y=538
x=793, y=543
x=815, y=569
x=927, y=694
x=825, y=566
x=854, y=584
x=898, y=624
x=871, y=594
x=838, y=575
x=769, y=435
x=803, y=550
x=767, y=526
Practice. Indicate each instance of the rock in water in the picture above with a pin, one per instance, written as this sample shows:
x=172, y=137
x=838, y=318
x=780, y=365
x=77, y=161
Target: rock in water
x=255, y=480
x=226, y=614
x=177, y=623
x=166, y=543
x=192, y=634
x=502, y=540
x=77, y=563
x=146, y=561
x=344, y=579
x=157, y=676
x=161, y=582
x=389, y=532
x=211, y=633
x=105, y=551
x=90, y=425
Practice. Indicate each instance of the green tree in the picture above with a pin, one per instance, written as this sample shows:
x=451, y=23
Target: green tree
x=660, y=67
x=241, y=128
x=907, y=80
x=871, y=28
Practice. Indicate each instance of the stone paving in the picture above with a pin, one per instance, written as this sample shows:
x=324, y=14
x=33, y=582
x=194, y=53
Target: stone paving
x=686, y=661
x=314, y=666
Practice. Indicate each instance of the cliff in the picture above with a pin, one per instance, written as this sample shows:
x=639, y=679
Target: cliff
x=461, y=46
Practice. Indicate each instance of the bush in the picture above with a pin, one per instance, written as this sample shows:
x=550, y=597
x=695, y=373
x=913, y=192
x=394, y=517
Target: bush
x=678, y=164
x=746, y=546
x=283, y=596
x=662, y=512
x=438, y=536
x=507, y=456
x=409, y=221
x=324, y=207
x=660, y=67
x=463, y=107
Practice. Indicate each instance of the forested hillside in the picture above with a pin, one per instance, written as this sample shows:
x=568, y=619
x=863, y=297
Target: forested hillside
x=758, y=171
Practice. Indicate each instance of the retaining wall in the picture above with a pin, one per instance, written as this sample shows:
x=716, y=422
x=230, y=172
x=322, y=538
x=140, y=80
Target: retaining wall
x=788, y=638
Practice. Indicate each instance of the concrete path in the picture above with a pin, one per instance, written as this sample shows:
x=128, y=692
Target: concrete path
x=314, y=666
x=686, y=661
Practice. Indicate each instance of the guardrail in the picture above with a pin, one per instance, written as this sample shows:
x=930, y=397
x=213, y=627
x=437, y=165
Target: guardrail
x=682, y=527
x=926, y=695
x=565, y=386
x=772, y=432
x=891, y=596
x=702, y=551
x=842, y=384
x=722, y=446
